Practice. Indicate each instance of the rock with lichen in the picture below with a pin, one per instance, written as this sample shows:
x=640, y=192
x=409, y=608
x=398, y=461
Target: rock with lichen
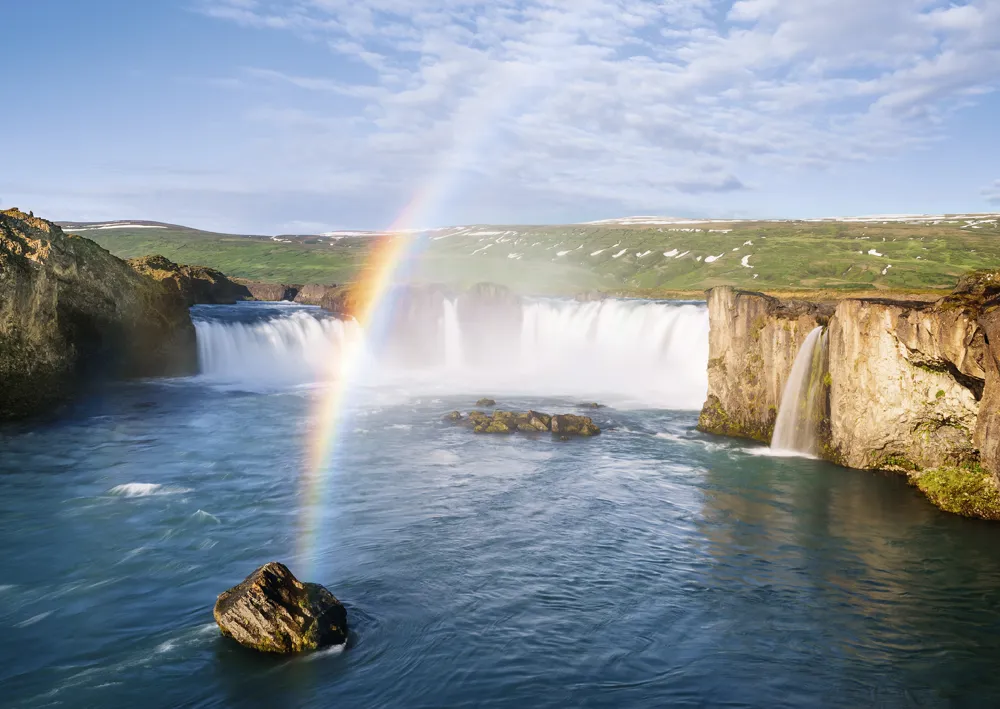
x=272, y=611
x=573, y=425
x=506, y=422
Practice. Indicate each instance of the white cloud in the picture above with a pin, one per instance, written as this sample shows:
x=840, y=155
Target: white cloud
x=635, y=101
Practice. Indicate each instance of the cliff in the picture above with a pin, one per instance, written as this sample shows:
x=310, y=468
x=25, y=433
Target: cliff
x=193, y=284
x=910, y=386
x=70, y=311
x=753, y=340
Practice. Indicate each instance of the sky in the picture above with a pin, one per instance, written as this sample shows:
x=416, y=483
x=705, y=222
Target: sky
x=304, y=116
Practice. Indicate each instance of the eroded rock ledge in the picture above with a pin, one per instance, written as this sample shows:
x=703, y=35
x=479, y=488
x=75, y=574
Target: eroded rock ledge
x=909, y=386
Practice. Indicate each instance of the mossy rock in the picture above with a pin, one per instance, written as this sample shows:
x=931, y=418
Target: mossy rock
x=272, y=611
x=486, y=403
x=967, y=491
x=571, y=425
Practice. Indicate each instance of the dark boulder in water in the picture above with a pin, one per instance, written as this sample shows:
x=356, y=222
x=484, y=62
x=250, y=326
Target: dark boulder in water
x=272, y=611
x=486, y=402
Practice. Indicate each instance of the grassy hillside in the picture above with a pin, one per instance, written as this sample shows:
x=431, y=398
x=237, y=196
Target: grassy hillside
x=650, y=256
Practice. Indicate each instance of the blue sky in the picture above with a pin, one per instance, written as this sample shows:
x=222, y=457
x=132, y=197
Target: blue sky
x=271, y=116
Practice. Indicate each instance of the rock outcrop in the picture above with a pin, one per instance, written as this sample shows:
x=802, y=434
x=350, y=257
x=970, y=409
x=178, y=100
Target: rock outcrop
x=196, y=285
x=753, y=340
x=71, y=312
x=269, y=291
x=905, y=380
x=911, y=386
x=272, y=611
x=506, y=422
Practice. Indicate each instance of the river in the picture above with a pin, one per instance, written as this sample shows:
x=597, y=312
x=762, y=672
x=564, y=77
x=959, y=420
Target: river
x=649, y=566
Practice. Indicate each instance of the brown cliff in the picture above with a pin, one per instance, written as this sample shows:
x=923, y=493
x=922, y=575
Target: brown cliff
x=70, y=311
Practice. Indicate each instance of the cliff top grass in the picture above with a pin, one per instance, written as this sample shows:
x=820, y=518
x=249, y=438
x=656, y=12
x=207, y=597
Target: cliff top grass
x=814, y=260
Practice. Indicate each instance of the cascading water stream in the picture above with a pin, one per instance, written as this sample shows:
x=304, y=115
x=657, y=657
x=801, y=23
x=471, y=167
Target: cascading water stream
x=629, y=352
x=796, y=428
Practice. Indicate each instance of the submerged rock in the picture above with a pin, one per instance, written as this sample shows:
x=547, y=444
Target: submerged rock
x=272, y=611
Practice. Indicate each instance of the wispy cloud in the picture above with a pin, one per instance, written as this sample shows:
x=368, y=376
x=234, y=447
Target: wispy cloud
x=992, y=192
x=634, y=101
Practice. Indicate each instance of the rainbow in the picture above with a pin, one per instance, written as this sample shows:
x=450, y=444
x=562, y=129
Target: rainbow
x=383, y=267
x=473, y=126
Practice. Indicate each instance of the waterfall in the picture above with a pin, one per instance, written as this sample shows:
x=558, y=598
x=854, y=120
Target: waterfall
x=627, y=352
x=293, y=347
x=801, y=408
x=452, y=335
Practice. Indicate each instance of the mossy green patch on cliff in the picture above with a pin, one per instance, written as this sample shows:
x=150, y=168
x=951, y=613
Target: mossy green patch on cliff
x=716, y=420
x=968, y=491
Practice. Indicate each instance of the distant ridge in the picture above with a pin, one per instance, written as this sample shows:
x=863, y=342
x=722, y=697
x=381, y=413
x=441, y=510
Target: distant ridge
x=120, y=224
x=971, y=217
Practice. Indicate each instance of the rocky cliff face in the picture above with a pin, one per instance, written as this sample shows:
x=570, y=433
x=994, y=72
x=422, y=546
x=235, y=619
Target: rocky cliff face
x=909, y=386
x=194, y=284
x=753, y=341
x=905, y=382
x=70, y=311
x=269, y=291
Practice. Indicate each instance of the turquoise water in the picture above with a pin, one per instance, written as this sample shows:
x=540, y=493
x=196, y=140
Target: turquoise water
x=651, y=566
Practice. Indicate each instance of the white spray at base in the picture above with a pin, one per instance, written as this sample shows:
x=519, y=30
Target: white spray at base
x=796, y=429
x=622, y=352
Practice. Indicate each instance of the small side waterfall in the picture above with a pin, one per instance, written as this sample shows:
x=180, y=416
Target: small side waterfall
x=799, y=415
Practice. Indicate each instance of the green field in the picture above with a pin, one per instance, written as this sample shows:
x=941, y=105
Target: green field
x=613, y=257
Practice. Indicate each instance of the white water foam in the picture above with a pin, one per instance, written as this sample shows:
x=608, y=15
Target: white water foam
x=145, y=490
x=626, y=352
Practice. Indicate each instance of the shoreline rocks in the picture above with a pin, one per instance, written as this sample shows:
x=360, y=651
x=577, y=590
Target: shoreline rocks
x=272, y=611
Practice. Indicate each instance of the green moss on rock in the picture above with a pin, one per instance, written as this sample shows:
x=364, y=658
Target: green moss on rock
x=968, y=491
